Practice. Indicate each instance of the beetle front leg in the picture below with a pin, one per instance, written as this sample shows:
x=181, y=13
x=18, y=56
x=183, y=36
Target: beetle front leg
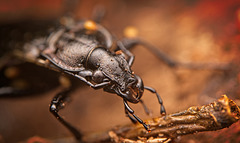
x=131, y=111
x=82, y=78
x=132, y=118
x=134, y=121
x=58, y=103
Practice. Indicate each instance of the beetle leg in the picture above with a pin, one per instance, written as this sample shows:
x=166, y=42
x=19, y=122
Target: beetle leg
x=95, y=86
x=127, y=52
x=85, y=73
x=131, y=111
x=134, y=121
x=130, y=43
x=147, y=111
x=132, y=118
x=53, y=38
x=57, y=104
x=8, y=91
x=100, y=85
x=162, y=110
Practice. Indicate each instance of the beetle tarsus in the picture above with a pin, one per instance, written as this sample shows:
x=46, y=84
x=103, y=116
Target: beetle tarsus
x=136, y=118
x=134, y=121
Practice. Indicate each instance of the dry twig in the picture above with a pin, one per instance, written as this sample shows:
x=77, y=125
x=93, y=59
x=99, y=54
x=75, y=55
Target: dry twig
x=217, y=115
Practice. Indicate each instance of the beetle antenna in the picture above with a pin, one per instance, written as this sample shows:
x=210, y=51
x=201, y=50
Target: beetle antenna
x=162, y=108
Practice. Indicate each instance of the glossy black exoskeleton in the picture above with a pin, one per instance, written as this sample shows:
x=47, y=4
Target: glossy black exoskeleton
x=88, y=51
x=84, y=50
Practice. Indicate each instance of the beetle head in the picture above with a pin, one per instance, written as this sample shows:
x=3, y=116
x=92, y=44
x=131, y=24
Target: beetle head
x=133, y=91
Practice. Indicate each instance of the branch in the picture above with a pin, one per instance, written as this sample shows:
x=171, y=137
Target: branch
x=215, y=116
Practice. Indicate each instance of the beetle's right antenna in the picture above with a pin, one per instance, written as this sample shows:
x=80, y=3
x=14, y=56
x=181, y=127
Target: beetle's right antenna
x=162, y=108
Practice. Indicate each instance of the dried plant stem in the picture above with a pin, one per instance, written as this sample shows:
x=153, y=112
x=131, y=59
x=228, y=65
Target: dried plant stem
x=217, y=115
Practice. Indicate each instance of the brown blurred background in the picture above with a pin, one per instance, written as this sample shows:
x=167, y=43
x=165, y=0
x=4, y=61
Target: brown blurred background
x=188, y=31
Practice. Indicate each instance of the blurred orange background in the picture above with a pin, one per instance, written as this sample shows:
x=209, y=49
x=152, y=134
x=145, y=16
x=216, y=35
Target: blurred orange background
x=188, y=31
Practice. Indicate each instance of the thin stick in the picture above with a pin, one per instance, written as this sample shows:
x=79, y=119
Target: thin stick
x=215, y=116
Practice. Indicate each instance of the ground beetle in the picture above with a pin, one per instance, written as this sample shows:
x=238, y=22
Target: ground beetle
x=87, y=51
